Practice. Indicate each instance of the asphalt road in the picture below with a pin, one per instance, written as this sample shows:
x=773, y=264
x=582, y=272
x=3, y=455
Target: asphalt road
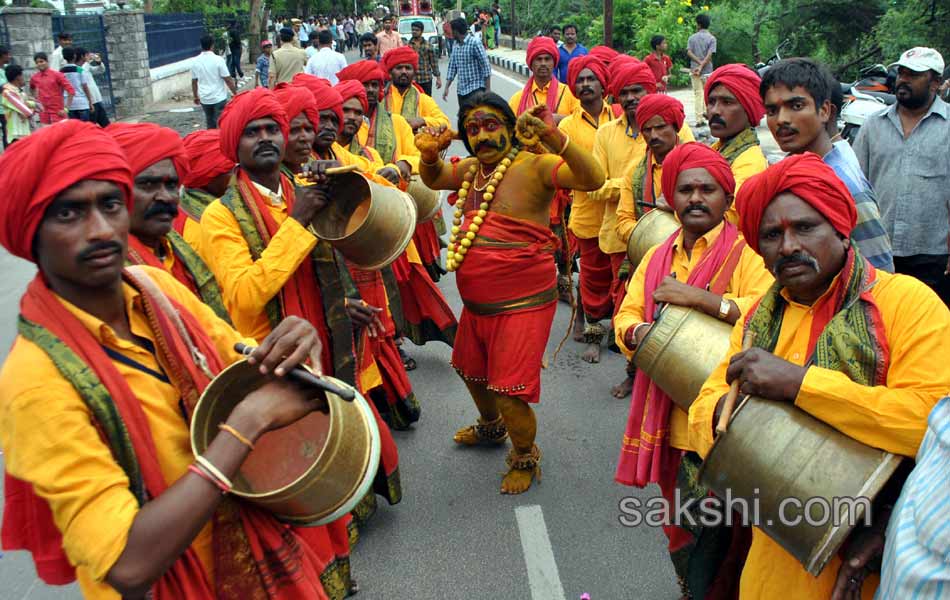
x=454, y=536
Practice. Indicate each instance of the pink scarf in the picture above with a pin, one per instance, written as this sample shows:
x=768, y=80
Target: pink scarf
x=527, y=96
x=645, y=449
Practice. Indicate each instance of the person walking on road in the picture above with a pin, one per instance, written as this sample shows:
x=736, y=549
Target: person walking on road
x=234, y=46
x=326, y=63
x=469, y=62
x=428, y=61
x=210, y=82
x=387, y=38
x=262, y=69
x=287, y=61
x=568, y=51
x=700, y=47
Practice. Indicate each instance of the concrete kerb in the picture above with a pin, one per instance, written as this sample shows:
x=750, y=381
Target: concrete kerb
x=519, y=68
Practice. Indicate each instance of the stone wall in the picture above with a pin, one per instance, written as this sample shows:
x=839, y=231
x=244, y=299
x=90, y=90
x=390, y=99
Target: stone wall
x=128, y=60
x=30, y=31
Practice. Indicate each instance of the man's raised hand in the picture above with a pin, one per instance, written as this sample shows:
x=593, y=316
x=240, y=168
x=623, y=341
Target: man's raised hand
x=431, y=141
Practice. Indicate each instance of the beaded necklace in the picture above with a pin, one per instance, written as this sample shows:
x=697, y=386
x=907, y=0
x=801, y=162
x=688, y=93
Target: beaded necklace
x=459, y=248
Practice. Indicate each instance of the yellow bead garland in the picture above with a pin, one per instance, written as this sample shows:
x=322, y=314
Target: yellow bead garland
x=459, y=248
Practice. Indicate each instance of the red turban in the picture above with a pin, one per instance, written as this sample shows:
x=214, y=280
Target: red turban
x=145, y=144
x=604, y=53
x=596, y=65
x=362, y=71
x=806, y=176
x=541, y=45
x=400, y=56
x=628, y=73
x=660, y=105
x=205, y=159
x=298, y=100
x=744, y=83
x=29, y=184
x=328, y=98
x=693, y=155
x=353, y=89
x=311, y=82
x=244, y=108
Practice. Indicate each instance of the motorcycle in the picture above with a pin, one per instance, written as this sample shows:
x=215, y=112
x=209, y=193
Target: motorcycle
x=871, y=94
x=762, y=67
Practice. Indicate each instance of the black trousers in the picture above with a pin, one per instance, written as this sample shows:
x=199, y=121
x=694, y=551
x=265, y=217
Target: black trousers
x=212, y=112
x=234, y=62
x=463, y=98
x=98, y=115
x=929, y=268
x=426, y=87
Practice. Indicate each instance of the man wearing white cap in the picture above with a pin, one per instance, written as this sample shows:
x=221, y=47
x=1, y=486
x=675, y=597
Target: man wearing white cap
x=903, y=151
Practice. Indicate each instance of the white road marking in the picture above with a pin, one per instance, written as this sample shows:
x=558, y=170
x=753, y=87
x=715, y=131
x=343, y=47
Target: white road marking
x=512, y=81
x=543, y=578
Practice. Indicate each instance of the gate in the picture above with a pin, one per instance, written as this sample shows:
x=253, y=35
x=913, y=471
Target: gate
x=89, y=32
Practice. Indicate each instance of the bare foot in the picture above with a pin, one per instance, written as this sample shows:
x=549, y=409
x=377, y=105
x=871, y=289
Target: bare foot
x=591, y=354
x=517, y=481
x=578, y=333
x=623, y=389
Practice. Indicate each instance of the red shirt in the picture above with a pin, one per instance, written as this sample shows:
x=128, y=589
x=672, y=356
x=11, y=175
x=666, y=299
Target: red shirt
x=48, y=87
x=660, y=67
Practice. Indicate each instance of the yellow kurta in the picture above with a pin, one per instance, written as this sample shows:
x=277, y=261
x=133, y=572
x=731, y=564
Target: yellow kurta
x=619, y=151
x=248, y=285
x=428, y=109
x=891, y=417
x=405, y=141
x=626, y=217
x=749, y=163
x=49, y=440
x=191, y=232
x=586, y=214
x=566, y=102
x=749, y=281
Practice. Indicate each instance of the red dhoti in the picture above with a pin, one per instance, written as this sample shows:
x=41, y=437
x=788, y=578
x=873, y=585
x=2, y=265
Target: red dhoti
x=426, y=313
x=430, y=251
x=508, y=285
x=595, y=279
x=393, y=397
x=618, y=286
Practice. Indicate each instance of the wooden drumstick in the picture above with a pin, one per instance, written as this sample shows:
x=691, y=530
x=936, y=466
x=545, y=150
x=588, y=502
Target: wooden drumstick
x=342, y=170
x=730, y=404
x=307, y=378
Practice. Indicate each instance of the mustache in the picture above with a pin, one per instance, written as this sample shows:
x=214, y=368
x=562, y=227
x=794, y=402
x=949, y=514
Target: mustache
x=488, y=144
x=159, y=208
x=98, y=247
x=700, y=207
x=904, y=86
x=799, y=258
x=786, y=131
x=717, y=120
x=266, y=146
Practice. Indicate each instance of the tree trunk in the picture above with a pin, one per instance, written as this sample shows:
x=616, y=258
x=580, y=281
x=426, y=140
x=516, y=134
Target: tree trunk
x=148, y=7
x=609, y=23
x=254, y=31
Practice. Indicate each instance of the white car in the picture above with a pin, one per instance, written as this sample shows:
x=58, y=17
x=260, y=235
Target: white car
x=429, y=32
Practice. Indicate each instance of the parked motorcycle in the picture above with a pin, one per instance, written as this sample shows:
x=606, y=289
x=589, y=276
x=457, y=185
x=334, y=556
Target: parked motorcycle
x=871, y=94
x=762, y=67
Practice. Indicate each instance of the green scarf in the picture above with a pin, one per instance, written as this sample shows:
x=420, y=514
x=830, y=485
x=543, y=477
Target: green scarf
x=410, y=103
x=97, y=399
x=328, y=275
x=194, y=201
x=208, y=289
x=384, y=134
x=852, y=340
x=739, y=144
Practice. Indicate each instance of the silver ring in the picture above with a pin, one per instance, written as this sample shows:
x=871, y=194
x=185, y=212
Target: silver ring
x=853, y=580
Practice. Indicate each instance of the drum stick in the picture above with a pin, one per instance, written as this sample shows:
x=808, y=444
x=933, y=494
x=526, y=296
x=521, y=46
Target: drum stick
x=730, y=404
x=305, y=377
x=342, y=170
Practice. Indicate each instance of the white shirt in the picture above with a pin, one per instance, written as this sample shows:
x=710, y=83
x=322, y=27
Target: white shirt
x=87, y=73
x=210, y=70
x=311, y=52
x=56, y=61
x=326, y=63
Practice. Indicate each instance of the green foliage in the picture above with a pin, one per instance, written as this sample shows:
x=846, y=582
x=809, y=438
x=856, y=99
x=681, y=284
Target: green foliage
x=914, y=23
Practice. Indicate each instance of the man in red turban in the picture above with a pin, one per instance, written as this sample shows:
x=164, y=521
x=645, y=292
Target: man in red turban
x=258, y=242
x=543, y=87
x=604, y=53
x=94, y=390
x=159, y=162
x=301, y=109
x=587, y=77
x=206, y=179
x=403, y=96
x=734, y=108
x=834, y=340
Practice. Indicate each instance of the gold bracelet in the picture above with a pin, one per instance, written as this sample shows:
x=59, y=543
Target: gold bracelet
x=567, y=142
x=237, y=434
x=213, y=471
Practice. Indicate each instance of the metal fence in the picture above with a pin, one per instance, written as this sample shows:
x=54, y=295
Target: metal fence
x=89, y=32
x=4, y=34
x=175, y=37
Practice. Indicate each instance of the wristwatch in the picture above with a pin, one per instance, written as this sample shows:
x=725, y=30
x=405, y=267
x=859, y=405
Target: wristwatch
x=724, y=307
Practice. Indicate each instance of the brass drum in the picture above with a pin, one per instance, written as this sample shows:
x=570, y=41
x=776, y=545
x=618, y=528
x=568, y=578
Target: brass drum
x=427, y=200
x=773, y=451
x=653, y=228
x=680, y=351
x=311, y=472
x=370, y=224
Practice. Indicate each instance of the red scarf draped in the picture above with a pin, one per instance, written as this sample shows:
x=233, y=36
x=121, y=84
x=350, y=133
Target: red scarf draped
x=294, y=576
x=646, y=439
x=140, y=254
x=527, y=96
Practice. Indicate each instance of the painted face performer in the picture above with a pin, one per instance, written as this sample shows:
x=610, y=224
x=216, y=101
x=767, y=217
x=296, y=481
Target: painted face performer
x=705, y=265
x=502, y=258
x=101, y=485
x=158, y=161
x=860, y=349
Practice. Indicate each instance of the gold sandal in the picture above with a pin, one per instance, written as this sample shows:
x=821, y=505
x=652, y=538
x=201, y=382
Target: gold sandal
x=491, y=433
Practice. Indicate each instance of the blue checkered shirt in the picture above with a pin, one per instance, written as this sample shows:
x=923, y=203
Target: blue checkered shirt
x=469, y=62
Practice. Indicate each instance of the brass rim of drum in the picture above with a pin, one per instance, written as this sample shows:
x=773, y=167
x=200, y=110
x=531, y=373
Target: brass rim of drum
x=414, y=185
x=203, y=430
x=650, y=223
x=835, y=535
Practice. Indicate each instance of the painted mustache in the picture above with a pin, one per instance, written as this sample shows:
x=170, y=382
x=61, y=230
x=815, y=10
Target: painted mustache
x=799, y=258
x=487, y=144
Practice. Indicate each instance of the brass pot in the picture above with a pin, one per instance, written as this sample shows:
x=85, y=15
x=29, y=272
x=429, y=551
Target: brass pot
x=370, y=224
x=311, y=472
x=680, y=351
x=651, y=229
x=427, y=200
x=773, y=451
